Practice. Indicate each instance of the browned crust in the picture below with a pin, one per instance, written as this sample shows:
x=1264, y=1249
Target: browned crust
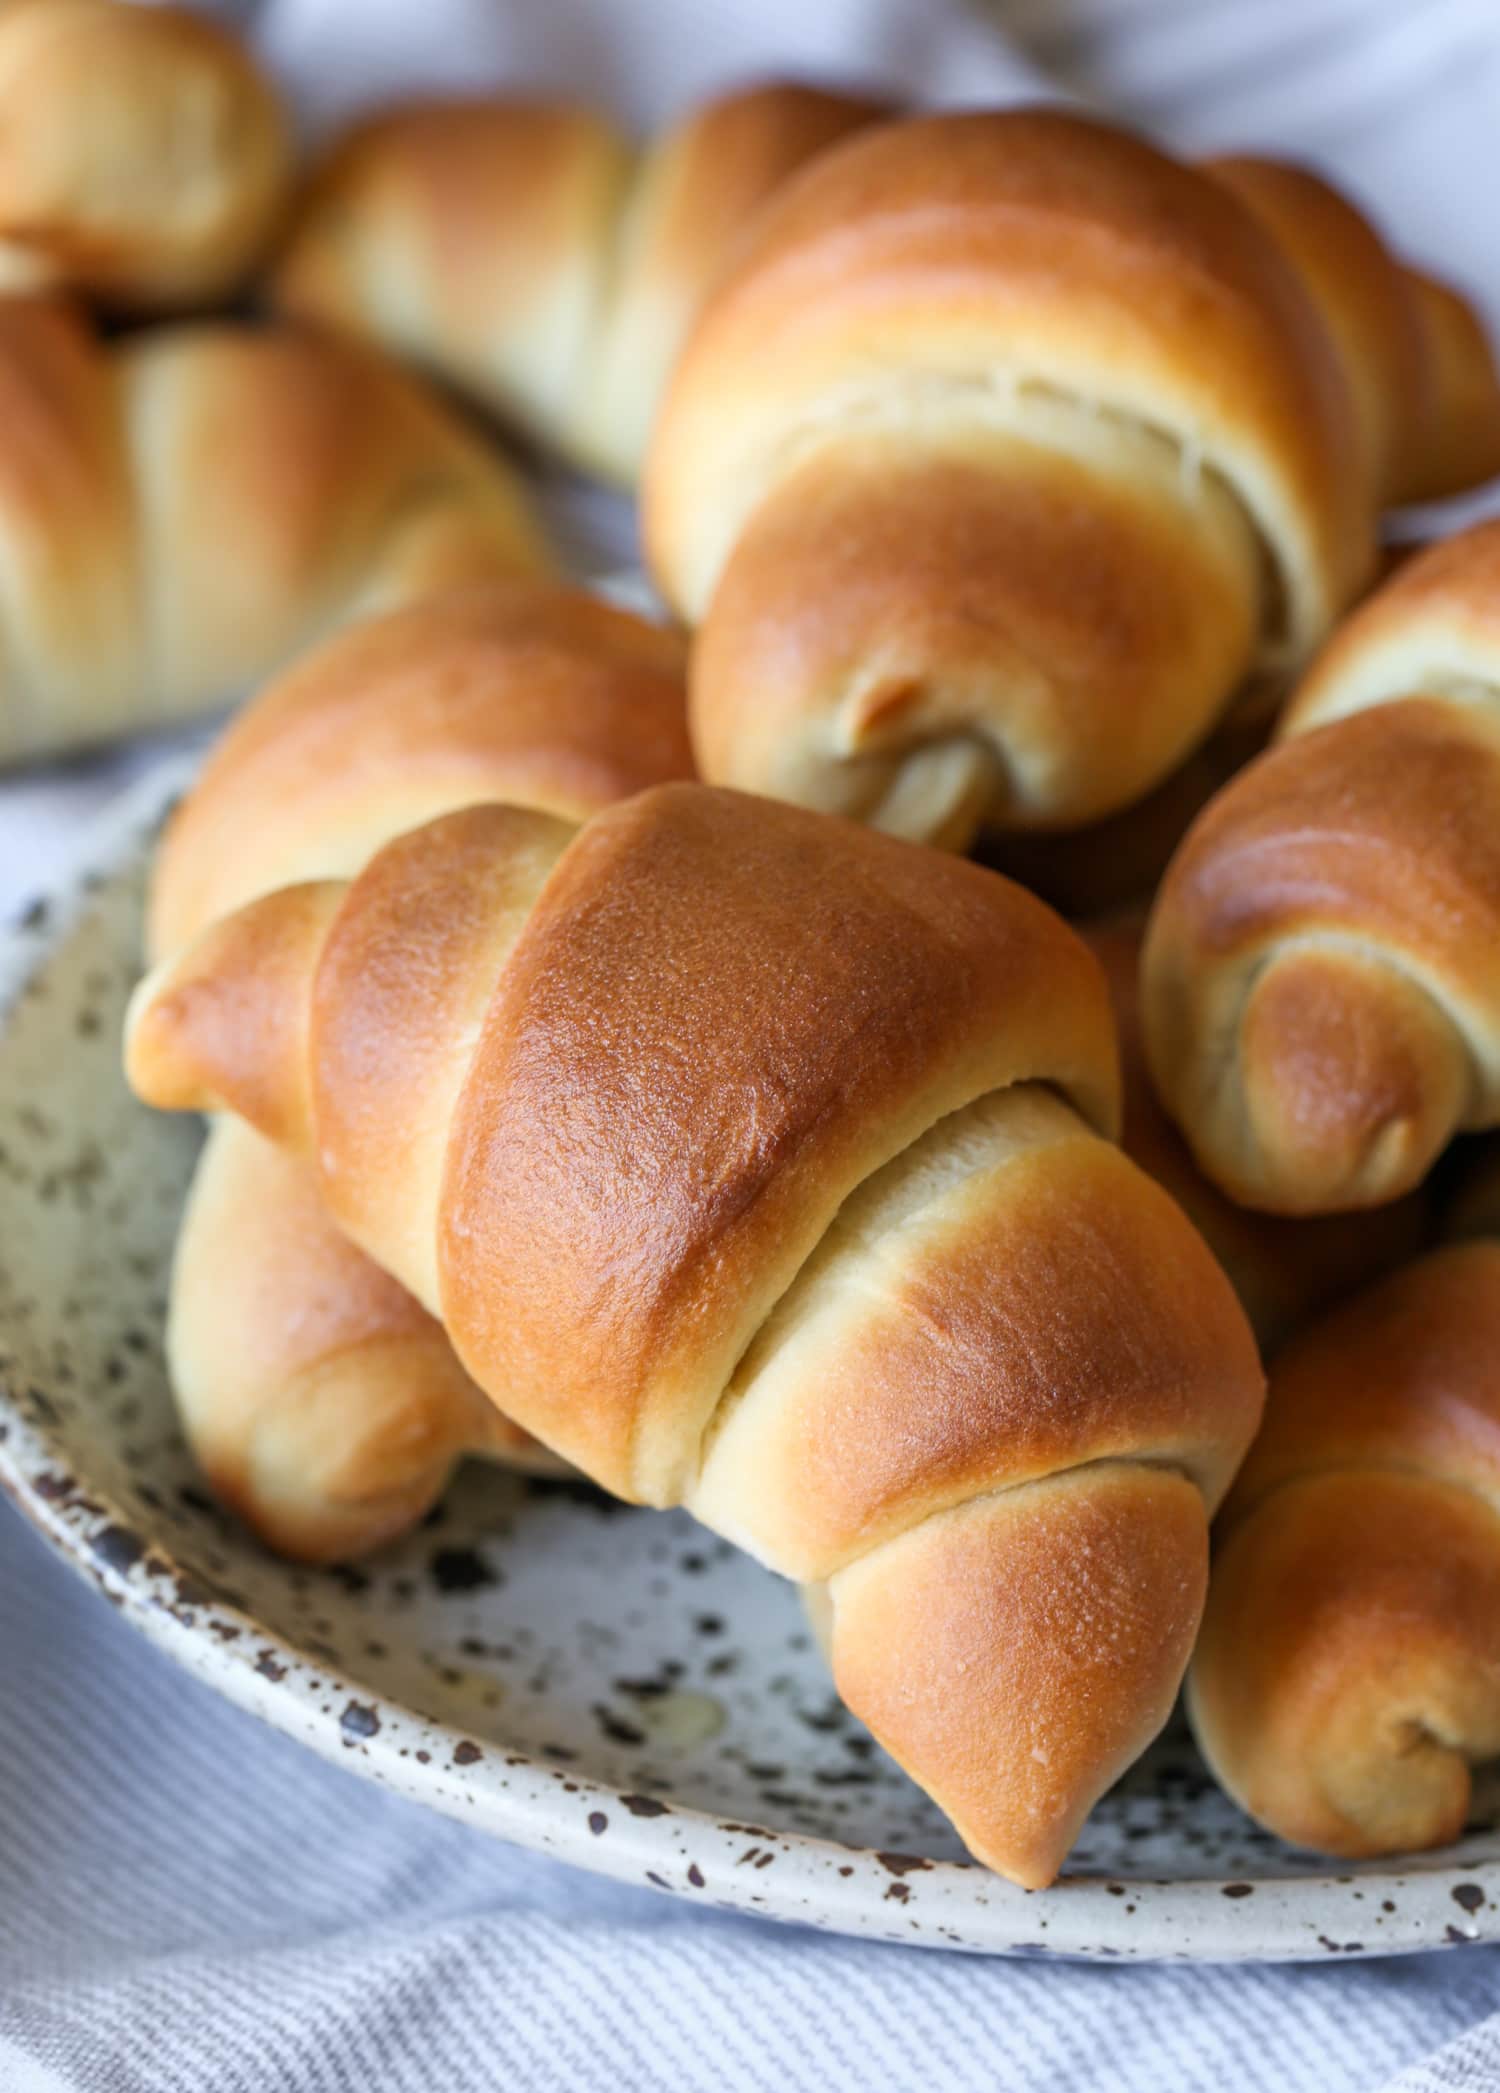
x=1349, y=1668
x=1078, y=631
x=537, y=695
x=128, y=468
x=404, y=980
x=1348, y=1671
x=1063, y=1312
x=1021, y=1652
x=1138, y=279
x=1283, y=1270
x=324, y=1405
x=67, y=523
x=481, y=200
x=1322, y=949
x=1369, y=303
x=525, y=249
x=144, y=155
x=1463, y=447
x=339, y=481
x=641, y=1161
x=624, y=1090
x=704, y=178
x=1406, y=1375
x=224, y=1026
x=1434, y=622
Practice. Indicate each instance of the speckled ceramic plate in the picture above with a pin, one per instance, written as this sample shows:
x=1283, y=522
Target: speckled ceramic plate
x=612, y=1686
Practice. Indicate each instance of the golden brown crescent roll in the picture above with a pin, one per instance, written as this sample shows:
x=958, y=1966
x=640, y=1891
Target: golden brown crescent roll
x=1284, y=1270
x=1348, y=1673
x=1322, y=966
x=532, y=693
x=182, y=510
x=322, y=1402
x=144, y=156
x=529, y=252
x=750, y=1159
x=1463, y=441
x=1006, y=454
x=1419, y=367
x=324, y=1405
x=1116, y=864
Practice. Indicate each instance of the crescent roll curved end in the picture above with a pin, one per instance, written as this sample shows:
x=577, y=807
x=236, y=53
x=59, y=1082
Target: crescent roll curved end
x=1347, y=1677
x=1008, y=452
x=323, y=1405
x=341, y=487
x=1321, y=977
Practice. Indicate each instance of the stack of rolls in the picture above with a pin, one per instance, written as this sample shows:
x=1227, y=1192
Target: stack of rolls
x=323, y=1403
x=568, y=1109
x=757, y=1162
x=1320, y=999
x=530, y=253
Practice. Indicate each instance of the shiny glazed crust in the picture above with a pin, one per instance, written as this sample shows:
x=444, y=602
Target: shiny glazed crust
x=1348, y=1673
x=528, y=693
x=1064, y=440
x=324, y=1404
x=1322, y=968
x=753, y=1161
x=1285, y=1270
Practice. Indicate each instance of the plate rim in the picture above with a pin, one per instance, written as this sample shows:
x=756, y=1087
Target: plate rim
x=659, y=1843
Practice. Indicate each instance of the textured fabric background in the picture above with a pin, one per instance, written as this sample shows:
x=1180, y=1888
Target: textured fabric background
x=189, y=1903
x=192, y=1904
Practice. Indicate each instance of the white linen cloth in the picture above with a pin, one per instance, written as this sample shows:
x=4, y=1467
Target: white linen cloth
x=189, y=1903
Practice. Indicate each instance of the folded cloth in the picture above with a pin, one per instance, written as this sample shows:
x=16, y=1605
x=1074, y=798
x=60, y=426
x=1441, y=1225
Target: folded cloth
x=647, y=59
x=189, y=1903
x=1470, y=2063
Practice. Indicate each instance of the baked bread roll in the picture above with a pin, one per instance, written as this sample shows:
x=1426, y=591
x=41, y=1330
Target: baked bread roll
x=1006, y=455
x=1322, y=966
x=1348, y=1673
x=144, y=156
x=1419, y=368
x=322, y=1402
x=1463, y=443
x=532, y=693
x=1116, y=864
x=751, y=1161
x=530, y=253
x=1285, y=1271
x=184, y=509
